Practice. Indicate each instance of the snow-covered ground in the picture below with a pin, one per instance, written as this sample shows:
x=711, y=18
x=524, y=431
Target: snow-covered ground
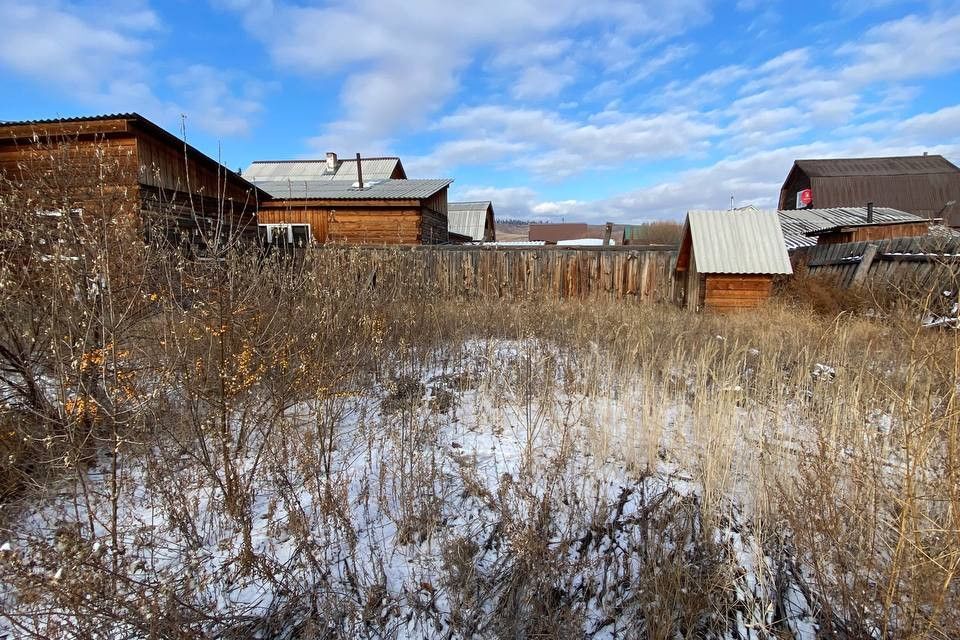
x=493, y=492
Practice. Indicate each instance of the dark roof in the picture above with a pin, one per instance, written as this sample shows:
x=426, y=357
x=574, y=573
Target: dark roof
x=892, y=166
x=922, y=185
x=149, y=127
x=556, y=231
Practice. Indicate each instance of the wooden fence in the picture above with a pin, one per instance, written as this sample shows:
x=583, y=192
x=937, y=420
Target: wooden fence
x=921, y=263
x=515, y=272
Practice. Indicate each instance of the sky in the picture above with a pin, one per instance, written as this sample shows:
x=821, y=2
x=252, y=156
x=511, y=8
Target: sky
x=560, y=110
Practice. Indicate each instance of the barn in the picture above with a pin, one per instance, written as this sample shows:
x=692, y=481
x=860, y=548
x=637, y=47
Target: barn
x=149, y=174
x=728, y=259
x=927, y=186
x=369, y=212
x=474, y=220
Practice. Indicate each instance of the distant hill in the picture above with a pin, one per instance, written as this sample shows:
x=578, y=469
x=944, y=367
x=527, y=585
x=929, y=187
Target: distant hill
x=512, y=230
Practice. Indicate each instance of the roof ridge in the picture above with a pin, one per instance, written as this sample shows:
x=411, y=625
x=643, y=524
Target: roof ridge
x=127, y=115
x=324, y=160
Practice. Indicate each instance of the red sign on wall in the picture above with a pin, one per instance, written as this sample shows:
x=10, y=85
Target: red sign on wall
x=804, y=198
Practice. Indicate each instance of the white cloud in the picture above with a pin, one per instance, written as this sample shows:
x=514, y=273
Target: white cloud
x=402, y=59
x=538, y=82
x=99, y=54
x=561, y=147
x=46, y=41
x=902, y=49
x=223, y=103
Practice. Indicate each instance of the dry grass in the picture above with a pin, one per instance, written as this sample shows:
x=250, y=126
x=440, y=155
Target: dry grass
x=295, y=449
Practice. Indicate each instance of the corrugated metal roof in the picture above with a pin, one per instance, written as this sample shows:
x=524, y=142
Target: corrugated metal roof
x=738, y=242
x=373, y=169
x=105, y=116
x=343, y=190
x=890, y=166
x=797, y=223
x=468, y=218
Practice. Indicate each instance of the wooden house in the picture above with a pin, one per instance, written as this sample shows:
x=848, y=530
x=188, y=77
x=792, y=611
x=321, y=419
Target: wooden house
x=473, y=220
x=374, y=212
x=166, y=185
x=728, y=259
x=927, y=186
x=801, y=226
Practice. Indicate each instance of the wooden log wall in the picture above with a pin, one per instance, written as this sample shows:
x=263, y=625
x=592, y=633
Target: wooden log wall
x=736, y=291
x=512, y=273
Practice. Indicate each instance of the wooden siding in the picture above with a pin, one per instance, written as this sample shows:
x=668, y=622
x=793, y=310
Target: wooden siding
x=144, y=171
x=165, y=166
x=879, y=232
x=725, y=292
x=433, y=220
x=383, y=222
x=317, y=218
x=365, y=222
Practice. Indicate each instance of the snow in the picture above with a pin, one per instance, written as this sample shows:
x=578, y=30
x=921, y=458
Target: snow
x=418, y=497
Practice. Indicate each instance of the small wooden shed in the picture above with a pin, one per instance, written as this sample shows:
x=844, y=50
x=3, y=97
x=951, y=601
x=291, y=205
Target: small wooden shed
x=727, y=259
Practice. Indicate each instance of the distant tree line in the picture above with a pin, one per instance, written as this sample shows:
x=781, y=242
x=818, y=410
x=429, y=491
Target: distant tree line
x=658, y=232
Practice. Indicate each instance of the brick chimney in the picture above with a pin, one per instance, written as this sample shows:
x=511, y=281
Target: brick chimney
x=331, y=161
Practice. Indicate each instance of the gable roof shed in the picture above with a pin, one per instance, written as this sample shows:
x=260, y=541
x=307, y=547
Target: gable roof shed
x=734, y=242
x=472, y=219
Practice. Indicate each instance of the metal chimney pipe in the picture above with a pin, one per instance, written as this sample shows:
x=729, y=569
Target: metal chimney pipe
x=869, y=212
x=359, y=172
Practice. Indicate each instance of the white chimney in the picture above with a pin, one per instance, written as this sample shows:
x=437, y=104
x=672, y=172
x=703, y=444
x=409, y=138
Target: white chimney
x=331, y=161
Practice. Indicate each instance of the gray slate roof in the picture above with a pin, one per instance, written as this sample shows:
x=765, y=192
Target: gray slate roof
x=738, y=242
x=343, y=190
x=468, y=218
x=797, y=223
x=373, y=169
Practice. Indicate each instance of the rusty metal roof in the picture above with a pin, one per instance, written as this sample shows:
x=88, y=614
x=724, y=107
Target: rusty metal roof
x=737, y=242
x=555, y=231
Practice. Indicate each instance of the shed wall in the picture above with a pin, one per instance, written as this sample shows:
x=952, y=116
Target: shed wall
x=723, y=292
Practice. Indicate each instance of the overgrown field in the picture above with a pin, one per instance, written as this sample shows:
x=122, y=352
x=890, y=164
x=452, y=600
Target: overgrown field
x=237, y=448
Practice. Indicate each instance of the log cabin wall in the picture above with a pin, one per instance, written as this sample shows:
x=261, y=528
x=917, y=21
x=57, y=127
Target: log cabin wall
x=727, y=292
x=91, y=168
x=377, y=222
x=434, y=220
x=114, y=166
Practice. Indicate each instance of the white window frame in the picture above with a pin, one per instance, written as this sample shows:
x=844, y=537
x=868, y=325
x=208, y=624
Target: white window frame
x=286, y=227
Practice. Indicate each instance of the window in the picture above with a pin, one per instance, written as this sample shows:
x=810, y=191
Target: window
x=285, y=235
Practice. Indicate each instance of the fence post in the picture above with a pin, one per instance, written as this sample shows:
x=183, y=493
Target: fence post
x=869, y=253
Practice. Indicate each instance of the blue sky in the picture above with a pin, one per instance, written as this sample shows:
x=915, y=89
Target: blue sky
x=594, y=111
